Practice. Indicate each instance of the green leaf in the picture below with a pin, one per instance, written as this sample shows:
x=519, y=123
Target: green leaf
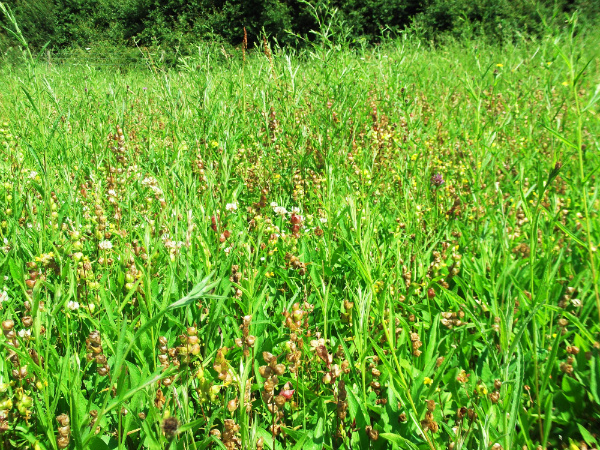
x=515, y=402
x=397, y=439
x=594, y=374
x=587, y=436
x=573, y=391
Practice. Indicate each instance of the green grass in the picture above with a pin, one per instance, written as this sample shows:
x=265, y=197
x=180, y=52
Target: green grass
x=402, y=311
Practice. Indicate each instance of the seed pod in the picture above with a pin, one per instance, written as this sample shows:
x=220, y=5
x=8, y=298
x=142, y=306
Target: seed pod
x=195, y=349
x=232, y=405
x=279, y=369
x=63, y=420
x=265, y=371
x=472, y=414
x=573, y=350
x=8, y=325
x=269, y=385
x=280, y=401
x=494, y=396
x=372, y=433
x=63, y=442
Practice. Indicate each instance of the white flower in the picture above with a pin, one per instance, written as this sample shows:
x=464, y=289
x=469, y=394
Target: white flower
x=156, y=190
x=3, y=296
x=280, y=210
x=33, y=174
x=273, y=204
x=73, y=306
x=295, y=210
x=231, y=207
x=105, y=245
x=576, y=302
x=228, y=250
x=323, y=219
x=112, y=192
x=148, y=181
x=24, y=333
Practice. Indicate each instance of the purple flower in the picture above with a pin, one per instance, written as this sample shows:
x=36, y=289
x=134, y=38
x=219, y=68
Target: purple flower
x=437, y=180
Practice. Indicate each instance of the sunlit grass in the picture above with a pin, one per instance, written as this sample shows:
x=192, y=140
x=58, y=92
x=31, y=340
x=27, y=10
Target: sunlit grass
x=388, y=248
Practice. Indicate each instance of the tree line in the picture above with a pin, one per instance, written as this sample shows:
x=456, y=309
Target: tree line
x=61, y=24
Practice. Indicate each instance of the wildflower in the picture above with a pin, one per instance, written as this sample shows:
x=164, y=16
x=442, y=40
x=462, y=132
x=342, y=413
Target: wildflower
x=33, y=174
x=105, y=245
x=73, y=306
x=3, y=296
x=280, y=210
x=273, y=204
x=24, y=333
x=482, y=389
x=500, y=65
x=462, y=377
x=437, y=180
x=427, y=381
x=231, y=207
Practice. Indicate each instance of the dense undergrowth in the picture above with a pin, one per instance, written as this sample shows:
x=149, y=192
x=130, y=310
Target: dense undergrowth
x=386, y=248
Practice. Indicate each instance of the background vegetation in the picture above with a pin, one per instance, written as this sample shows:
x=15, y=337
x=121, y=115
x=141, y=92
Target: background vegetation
x=181, y=24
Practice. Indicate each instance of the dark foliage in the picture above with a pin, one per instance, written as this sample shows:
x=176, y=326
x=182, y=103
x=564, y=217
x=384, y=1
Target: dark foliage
x=179, y=23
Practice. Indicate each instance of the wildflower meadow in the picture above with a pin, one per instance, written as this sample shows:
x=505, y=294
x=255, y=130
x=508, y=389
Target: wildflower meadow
x=386, y=247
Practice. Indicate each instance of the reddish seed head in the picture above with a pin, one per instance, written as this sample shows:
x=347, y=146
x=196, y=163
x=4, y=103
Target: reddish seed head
x=287, y=393
x=431, y=293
